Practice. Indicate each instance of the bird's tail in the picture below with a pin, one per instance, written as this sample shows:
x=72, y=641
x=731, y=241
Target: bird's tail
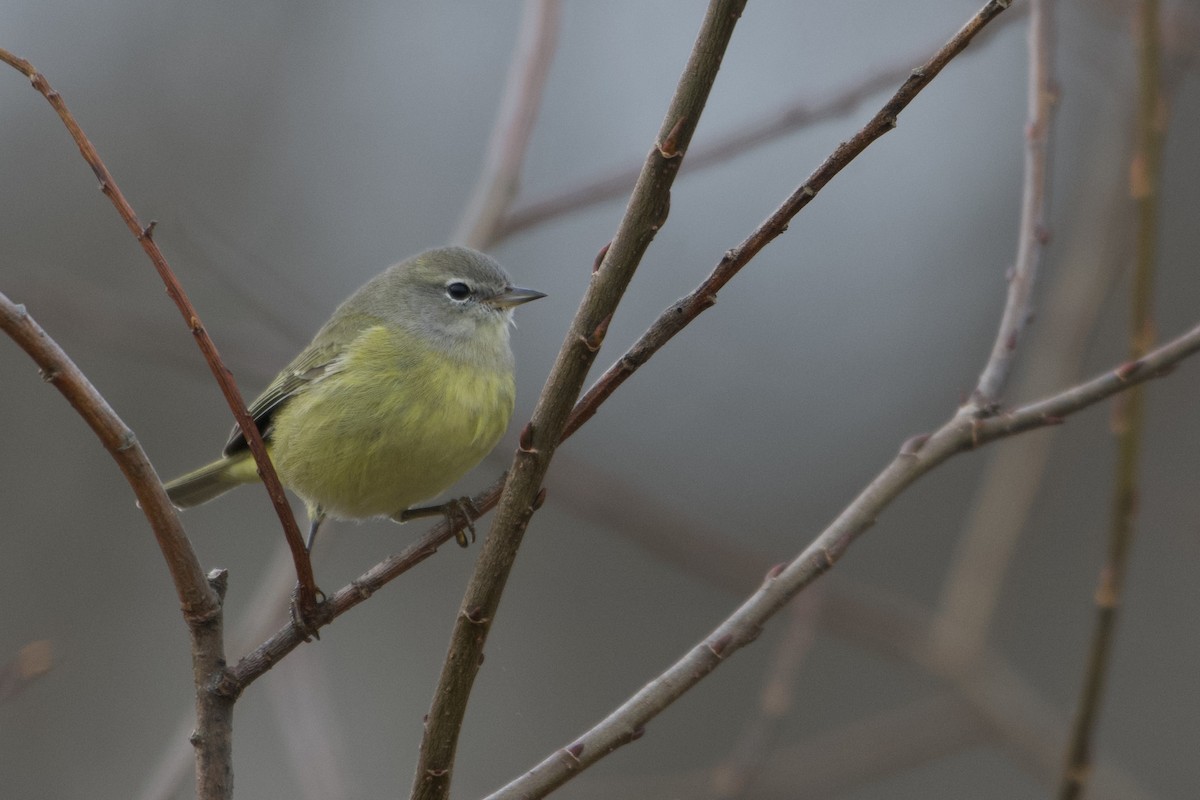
x=212, y=480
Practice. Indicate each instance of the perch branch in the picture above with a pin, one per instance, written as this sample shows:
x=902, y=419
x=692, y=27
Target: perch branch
x=145, y=237
x=199, y=597
x=644, y=216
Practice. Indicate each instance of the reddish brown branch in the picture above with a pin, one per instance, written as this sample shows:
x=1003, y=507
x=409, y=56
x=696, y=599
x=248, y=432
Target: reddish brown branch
x=224, y=378
x=201, y=602
x=682, y=312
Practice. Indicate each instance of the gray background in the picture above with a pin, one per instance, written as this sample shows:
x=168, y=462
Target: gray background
x=291, y=150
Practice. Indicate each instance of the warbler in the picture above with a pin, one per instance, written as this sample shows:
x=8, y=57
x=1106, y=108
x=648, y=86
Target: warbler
x=404, y=390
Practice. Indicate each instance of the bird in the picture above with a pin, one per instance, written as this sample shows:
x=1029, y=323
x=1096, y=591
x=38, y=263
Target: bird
x=404, y=390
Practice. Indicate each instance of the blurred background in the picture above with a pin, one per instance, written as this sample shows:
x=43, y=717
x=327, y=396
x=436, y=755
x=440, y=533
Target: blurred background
x=291, y=151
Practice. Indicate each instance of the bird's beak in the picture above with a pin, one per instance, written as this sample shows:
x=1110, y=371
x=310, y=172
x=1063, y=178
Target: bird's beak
x=514, y=296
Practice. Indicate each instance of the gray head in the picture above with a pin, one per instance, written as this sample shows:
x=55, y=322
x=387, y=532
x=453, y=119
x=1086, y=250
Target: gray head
x=448, y=296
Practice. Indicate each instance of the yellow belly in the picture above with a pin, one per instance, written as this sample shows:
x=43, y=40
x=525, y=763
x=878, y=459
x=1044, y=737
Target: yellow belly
x=386, y=431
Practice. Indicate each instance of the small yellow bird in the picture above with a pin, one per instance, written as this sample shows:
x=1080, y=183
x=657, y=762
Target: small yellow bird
x=404, y=390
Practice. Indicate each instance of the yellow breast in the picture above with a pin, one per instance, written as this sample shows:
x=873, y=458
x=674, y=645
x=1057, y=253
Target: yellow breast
x=393, y=424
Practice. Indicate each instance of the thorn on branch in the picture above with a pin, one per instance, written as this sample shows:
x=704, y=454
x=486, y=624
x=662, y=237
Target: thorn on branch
x=148, y=231
x=669, y=147
x=913, y=444
x=827, y=559
x=600, y=257
x=474, y=615
x=525, y=440
x=593, y=342
x=1125, y=371
x=719, y=645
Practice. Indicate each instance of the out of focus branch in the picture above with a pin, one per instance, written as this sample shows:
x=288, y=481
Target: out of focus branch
x=917, y=456
x=800, y=113
x=977, y=573
x=145, y=237
x=737, y=776
x=497, y=186
x=1130, y=418
x=199, y=596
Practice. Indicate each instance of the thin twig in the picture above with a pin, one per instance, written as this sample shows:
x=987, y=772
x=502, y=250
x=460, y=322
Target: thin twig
x=645, y=215
x=1042, y=97
x=518, y=111
x=917, y=456
x=1130, y=417
x=681, y=313
x=977, y=575
x=199, y=595
x=800, y=113
x=145, y=237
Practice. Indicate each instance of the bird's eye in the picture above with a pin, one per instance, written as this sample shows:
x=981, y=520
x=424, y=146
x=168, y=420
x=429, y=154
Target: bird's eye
x=458, y=291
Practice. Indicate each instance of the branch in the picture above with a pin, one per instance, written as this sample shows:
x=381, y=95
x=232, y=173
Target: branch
x=800, y=113
x=481, y=223
x=672, y=320
x=645, y=214
x=738, y=774
x=978, y=570
x=200, y=601
x=1130, y=418
x=1042, y=96
x=681, y=313
x=145, y=237
x=918, y=456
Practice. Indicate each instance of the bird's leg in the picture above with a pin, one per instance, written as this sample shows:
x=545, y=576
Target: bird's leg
x=463, y=508
x=316, y=517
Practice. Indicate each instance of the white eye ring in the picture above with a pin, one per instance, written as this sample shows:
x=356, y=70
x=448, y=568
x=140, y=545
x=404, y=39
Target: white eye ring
x=458, y=291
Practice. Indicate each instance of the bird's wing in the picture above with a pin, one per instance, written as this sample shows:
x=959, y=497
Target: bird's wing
x=317, y=361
